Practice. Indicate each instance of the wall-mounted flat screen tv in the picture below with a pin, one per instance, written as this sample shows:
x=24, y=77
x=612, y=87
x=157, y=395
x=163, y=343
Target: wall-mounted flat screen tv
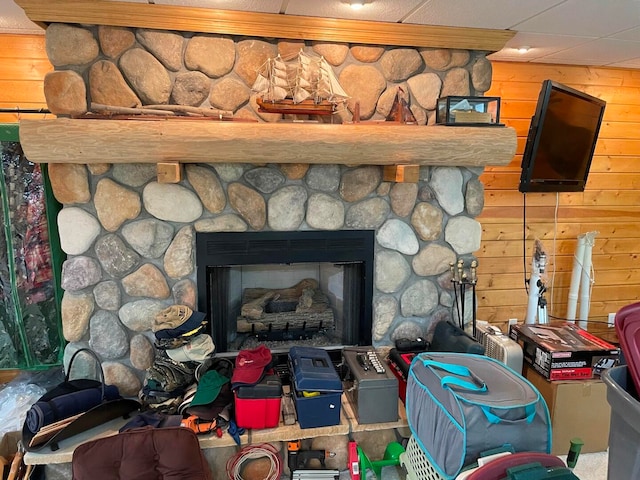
x=561, y=141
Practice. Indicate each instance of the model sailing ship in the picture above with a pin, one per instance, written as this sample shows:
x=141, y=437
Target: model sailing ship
x=307, y=86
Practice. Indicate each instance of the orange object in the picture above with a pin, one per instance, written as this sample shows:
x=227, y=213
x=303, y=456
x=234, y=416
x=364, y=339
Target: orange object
x=193, y=423
x=294, y=446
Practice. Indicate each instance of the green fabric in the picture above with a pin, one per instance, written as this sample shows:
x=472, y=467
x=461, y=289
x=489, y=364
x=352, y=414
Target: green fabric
x=208, y=388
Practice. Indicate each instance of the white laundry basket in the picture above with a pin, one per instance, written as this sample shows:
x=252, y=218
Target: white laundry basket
x=416, y=463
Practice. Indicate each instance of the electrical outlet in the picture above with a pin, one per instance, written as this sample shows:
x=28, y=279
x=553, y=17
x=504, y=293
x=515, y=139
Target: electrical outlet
x=512, y=321
x=611, y=320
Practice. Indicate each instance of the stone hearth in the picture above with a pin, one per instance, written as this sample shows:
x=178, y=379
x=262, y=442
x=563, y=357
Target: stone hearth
x=130, y=239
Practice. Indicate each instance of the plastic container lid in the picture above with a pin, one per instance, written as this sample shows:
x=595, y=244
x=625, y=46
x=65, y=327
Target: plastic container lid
x=269, y=387
x=313, y=370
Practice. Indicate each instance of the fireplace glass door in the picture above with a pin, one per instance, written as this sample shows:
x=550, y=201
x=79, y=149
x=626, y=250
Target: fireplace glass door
x=286, y=288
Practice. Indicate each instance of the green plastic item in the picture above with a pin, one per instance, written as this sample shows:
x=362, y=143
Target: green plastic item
x=391, y=458
x=574, y=452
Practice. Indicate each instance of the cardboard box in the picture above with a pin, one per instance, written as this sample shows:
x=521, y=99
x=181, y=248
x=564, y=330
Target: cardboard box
x=563, y=351
x=578, y=408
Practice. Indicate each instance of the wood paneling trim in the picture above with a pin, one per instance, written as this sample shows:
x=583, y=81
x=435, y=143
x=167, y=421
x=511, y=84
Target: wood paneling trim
x=506, y=281
x=229, y=22
x=22, y=46
x=23, y=65
x=562, y=263
x=602, y=198
x=612, y=95
x=20, y=92
x=537, y=72
x=25, y=69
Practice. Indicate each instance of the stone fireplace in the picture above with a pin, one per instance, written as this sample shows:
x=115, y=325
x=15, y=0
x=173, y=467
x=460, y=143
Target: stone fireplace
x=131, y=239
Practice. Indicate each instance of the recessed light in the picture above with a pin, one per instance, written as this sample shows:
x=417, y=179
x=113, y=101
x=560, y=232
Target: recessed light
x=356, y=4
x=523, y=49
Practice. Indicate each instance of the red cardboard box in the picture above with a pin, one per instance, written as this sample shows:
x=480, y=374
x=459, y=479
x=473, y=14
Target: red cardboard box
x=563, y=351
x=258, y=406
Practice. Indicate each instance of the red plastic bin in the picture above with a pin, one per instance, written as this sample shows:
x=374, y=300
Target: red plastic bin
x=258, y=406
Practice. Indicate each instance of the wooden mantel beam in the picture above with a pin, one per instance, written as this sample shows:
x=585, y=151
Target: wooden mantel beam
x=229, y=22
x=67, y=140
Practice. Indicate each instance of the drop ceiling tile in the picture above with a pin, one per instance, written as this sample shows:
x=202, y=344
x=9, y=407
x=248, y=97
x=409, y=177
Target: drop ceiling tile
x=14, y=20
x=498, y=14
x=634, y=63
x=542, y=40
x=377, y=10
x=632, y=34
x=540, y=45
x=602, y=51
x=570, y=61
x=585, y=18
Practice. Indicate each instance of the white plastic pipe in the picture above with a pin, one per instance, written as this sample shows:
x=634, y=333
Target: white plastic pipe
x=572, y=302
x=585, y=284
x=538, y=265
x=534, y=292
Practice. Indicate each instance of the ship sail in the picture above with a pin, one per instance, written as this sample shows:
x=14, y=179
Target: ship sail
x=328, y=84
x=272, y=81
x=309, y=78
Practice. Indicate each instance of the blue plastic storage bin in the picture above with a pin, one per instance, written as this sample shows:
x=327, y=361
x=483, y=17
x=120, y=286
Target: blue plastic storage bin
x=317, y=387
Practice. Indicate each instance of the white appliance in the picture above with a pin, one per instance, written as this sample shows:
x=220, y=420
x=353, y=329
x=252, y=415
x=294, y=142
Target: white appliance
x=499, y=346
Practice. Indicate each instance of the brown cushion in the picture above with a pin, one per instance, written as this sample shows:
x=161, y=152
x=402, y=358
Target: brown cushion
x=144, y=454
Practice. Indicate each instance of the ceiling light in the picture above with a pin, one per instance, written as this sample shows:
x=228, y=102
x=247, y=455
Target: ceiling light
x=356, y=4
x=523, y=49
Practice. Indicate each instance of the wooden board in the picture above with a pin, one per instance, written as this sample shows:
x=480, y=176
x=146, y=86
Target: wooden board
x=229, y=22
x=117, y=141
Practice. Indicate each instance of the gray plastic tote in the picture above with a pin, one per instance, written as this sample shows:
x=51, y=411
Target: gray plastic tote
x=459, y=405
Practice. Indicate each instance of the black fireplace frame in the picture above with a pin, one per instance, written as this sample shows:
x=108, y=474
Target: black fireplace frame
x=225, y=249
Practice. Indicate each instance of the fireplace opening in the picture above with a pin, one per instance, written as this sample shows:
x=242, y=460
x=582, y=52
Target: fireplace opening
x=286, y=288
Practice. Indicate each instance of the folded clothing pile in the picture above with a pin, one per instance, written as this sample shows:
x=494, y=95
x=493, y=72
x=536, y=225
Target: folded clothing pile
x=182, y=350
x=211, y=398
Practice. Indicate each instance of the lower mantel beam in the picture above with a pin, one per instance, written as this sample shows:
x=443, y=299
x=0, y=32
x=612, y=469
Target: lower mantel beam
x=65, y=140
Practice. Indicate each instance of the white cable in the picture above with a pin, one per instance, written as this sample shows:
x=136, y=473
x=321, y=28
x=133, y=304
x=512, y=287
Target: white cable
x=251, y=452
x=555, y=236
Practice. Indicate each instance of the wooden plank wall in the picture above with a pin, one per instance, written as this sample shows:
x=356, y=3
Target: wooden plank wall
x=610, y=204
x=23, y=65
